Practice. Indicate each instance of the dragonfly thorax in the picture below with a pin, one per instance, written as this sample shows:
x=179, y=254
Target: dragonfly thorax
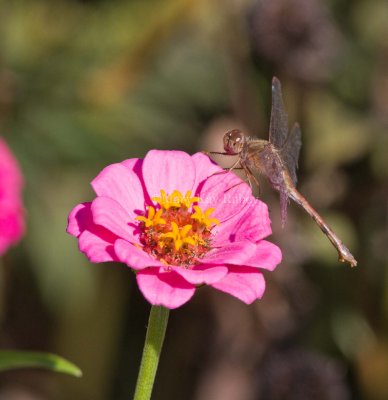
x=234, y=141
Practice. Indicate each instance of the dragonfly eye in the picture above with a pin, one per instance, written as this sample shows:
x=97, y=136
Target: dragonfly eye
x=233, y=141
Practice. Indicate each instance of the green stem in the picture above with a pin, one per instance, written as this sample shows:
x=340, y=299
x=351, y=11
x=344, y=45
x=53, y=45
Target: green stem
x=157, y=324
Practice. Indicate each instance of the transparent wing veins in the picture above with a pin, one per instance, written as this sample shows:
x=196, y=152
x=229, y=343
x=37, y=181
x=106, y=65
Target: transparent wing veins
x=290, y=151
x=278, y=127
x=288, y=143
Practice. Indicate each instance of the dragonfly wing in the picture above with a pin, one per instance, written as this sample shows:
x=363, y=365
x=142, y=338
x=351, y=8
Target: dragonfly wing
x=278, y=127
x=290, y=151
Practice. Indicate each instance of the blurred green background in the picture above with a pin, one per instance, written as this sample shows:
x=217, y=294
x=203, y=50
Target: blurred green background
x=87, y=83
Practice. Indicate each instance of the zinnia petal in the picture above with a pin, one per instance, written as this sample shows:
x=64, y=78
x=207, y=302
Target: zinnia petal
x=94, y=241
x=109, y=214
x=267, y=256
x=80, y=219
x=133, y=256
x=11, y=226
x=118, y=182
x=168, y=170
x=247, y=284
x=252, y=224
x=231, y=253
x=11, y=209
x=166, y=289
x=202, y=274
x=98, y=245
x=204, y=168
x=135, y=165
x=227, y=194
x=10, y=175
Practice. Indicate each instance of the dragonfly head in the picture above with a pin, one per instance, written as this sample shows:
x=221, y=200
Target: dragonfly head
x=234, y=141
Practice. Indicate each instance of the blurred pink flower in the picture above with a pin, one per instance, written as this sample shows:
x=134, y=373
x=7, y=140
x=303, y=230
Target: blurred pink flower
x=11, y=209
x=178, y=226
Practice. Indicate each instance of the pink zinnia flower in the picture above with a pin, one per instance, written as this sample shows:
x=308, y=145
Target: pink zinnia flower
x=178, y=226
x=11, y=209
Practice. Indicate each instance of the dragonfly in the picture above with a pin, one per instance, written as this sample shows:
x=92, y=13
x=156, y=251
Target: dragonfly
x=277, y=159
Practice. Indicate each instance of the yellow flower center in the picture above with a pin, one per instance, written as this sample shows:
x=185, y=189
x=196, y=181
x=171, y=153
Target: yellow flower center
x=175, y=200
x=178, y=233
x=153, y=219
x=203, y=217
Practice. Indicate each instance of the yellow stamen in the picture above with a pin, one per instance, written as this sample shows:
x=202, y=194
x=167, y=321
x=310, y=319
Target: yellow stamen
x=153, y=218
x=187, y=201
x=162, y=200
x=199, y=240
x=167, y=202
x=175, y=199
x=179, y=236
x=203, y=217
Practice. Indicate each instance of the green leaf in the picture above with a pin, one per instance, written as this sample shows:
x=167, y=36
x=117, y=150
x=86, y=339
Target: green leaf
x=22, y=359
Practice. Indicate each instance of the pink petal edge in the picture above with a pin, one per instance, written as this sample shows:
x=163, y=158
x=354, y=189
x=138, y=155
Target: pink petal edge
x=266, y=256
x=118, y=182
x=109, y=214
x=80, y=218
x=166, y=289
x=135, y=165
x=246, y=284
x=133, y=256
x=201, y=274
x=98, y=247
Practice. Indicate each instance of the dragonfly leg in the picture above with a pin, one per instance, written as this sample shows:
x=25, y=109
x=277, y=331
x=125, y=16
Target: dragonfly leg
x=249, y=174
x=224, y=171
x=234, y=166
x=229, y=169
x=242, y=181
x=220, y=153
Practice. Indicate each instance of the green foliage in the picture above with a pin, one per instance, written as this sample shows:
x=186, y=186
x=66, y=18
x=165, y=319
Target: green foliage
x=20, y=359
